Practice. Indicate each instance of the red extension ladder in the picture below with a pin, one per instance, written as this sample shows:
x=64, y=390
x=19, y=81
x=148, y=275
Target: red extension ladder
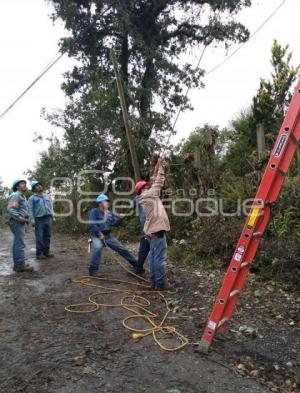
x=256, y=222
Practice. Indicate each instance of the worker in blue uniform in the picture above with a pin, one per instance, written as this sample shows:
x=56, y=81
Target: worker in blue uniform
x=101, y=221
x=41, y=217
x=17, y=209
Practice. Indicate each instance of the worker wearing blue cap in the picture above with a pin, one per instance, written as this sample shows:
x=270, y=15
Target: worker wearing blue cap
x=41, y=216
x=100, y=222
x=17, y=209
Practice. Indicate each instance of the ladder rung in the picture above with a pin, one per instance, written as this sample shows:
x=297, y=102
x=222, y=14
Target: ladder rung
x=281, y=171
x=224, y=320
x=245, y=264
x=234, y=293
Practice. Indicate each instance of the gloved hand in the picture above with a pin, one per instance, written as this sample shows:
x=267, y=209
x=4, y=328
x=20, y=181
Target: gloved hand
x=23, y=220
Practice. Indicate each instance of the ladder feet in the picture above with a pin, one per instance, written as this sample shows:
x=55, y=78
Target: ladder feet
x=203, y=347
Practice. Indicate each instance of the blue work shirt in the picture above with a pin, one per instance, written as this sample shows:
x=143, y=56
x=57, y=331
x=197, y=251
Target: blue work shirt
x=100, y=221
x=40, y=206
x=140, y=210
x=17, y=206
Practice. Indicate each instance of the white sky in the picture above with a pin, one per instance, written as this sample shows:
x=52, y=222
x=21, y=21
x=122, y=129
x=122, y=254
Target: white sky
x=28, y=41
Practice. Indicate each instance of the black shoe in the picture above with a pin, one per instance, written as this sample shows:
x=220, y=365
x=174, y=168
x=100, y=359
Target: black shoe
x=22, y=269
x=165, y=287
x=139, y=272
x=41, y=256
x=94, y=273
x=49, y=255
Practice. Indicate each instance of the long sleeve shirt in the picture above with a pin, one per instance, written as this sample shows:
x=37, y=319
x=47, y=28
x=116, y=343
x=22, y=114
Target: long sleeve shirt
x=40, y=206
x=156, y=215
x=100, y=221
x=140, y=210
x=17, y=206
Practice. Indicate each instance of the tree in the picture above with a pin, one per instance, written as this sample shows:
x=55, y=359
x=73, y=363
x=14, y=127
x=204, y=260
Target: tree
x=268, y=108
x=150, y=38
x=194, y=161
x=274, y=96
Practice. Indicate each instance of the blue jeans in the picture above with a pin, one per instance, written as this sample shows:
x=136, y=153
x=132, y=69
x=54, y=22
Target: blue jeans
x=18, y=249
x=43, y=228
x=112, y=243
x=158, y=258
x=143, y=253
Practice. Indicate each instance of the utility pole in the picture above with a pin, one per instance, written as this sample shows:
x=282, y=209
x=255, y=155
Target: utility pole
x=261, y=148
x=261, y=145
x=134, y=159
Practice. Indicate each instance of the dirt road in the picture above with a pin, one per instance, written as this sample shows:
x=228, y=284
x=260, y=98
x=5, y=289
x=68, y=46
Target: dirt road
x=44, y=349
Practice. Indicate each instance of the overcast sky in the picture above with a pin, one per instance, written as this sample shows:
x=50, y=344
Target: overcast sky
x=28, y=41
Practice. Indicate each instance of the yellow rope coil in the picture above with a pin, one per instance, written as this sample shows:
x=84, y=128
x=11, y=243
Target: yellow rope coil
x=137, y=305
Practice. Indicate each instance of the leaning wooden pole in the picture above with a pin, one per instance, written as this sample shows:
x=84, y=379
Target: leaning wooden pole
x=134, y=159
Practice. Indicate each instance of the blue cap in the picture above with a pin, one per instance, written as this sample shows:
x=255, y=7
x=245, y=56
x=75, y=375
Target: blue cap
x=16, y=183
x=102, y=198
x=34, y=183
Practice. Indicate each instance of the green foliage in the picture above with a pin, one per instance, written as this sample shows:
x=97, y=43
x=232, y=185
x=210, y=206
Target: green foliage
x=287, y=218
x=268, y=109
x=273, y=96
x=193, y=168
x=4, y=192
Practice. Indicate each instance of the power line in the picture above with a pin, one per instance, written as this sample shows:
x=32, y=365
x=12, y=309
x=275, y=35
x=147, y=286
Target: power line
x=244, y=43
x=196, y=69
x=59, y=55
x=56, y=58
x=228, y=57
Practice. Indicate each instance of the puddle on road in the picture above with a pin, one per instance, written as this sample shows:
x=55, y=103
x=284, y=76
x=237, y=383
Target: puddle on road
x=38, y=285
x=43, y=284
x=6, y=263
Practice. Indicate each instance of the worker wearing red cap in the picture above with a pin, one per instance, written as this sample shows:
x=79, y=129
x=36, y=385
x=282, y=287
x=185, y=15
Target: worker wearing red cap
x=156, y=225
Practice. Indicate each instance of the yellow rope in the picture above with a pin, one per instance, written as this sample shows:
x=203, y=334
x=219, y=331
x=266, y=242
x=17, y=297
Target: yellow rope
x=133, y=302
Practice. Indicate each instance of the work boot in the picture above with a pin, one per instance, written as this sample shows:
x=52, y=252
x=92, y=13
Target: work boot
x=22, y=269
x=165, y=287
x=41, y=256
x=95, y=273
x=139, y=272
x=49, y=255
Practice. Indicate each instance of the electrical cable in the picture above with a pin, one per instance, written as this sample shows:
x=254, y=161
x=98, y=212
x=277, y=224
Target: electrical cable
x=229, y=57
x=244, y=43
x=50, y=65
x=138, y=306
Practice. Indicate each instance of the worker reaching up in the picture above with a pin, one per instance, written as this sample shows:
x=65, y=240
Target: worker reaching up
x=156, y=225
x=100, y=222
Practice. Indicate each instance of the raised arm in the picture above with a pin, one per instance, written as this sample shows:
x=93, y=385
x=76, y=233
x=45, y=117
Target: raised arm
x=158, y=175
